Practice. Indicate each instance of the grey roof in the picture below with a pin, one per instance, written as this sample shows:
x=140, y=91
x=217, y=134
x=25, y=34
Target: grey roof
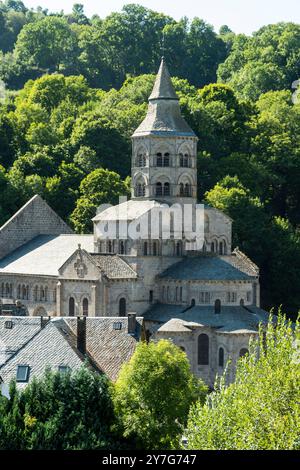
x=210, y=268
x=23, y=329
x=50, y=347
x=113, y=266
x=163, y=116
x=163, y=88
x=109, y=348
x=233, y=320
x=45, y=254
x=129, y=210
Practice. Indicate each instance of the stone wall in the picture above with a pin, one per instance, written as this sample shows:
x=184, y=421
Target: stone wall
x=33, y=219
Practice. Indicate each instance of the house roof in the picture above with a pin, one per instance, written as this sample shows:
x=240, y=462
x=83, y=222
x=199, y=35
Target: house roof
x=11, y=340
x=49, y=347
x=210, y=268
x=44, y=255
x=233, y=320
x=55, y=344
x=109, y=348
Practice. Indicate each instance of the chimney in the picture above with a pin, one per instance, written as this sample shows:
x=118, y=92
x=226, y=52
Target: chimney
x=44, y=321
x=81, y=334
x=132, y=323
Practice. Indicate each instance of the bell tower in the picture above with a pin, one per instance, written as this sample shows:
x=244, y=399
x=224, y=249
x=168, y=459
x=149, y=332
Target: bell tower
x=164, y=149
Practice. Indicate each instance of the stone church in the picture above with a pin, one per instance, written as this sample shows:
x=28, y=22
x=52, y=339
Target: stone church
x=205, y=297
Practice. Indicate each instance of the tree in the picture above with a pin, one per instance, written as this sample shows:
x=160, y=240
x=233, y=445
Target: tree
x=59, y=412
x=99, y=187
x=49, y=44
x=260, y=410
x=153, y=394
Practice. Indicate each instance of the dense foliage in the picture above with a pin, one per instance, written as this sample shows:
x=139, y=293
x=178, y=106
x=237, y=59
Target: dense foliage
x=65, y=132
x=260, y=410
x=72, y=411
x=153, y=395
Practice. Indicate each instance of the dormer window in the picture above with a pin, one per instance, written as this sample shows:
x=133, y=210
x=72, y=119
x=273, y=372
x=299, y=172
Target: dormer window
x=22, y=374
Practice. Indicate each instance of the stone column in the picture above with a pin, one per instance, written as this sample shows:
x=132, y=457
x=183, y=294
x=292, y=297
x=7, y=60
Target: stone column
x=59, y=312
x=93, y=309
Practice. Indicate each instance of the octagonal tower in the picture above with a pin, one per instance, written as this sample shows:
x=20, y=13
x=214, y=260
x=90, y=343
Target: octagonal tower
x=164, y=149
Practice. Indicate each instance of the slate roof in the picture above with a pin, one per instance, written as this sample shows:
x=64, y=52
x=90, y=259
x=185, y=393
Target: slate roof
x=48, y=347
x=11, y=340
x=45, y=254
x=113, y=266
x=109, y=348
x=163, y=116
x=233, y=320
x=210, y=268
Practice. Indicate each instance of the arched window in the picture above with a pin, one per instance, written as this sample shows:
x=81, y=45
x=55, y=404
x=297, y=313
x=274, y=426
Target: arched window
x=244, y=352
x=166, y=161
x=46, y=294
x=187, y=190
x=203, y=350
x=193, y=303
x=122, y=307
x=110, y=247
x=140, y=190
x=218, y=306
x=184, y=160
x=242, y=302
x=141, y=160
x=19, y=291
x=158, y=189
x=181, y=189
x=167, y=189
x=159, y=159
x=178, y=249
x=154, y=249
x=221, y=357
x=145, y=248
x=71, y=307
x=122, y=247
x=221, y=248
x=85, y=307
x=35, y=295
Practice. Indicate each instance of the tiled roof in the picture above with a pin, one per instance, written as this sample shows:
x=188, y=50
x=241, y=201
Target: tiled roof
x=11, y=340
x=209, y=268
x=108, y=347
x=45, y=254
x=49, y=347
x=114, y=267
x=233, y=319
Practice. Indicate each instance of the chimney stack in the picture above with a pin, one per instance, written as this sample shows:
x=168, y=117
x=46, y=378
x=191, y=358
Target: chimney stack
x=81, y=334
x=131, y=323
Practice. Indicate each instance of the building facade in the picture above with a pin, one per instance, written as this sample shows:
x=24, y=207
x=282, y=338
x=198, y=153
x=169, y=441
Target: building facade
x=190, y=287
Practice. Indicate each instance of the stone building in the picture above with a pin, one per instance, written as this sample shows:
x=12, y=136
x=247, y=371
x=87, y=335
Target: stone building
x=190, y=286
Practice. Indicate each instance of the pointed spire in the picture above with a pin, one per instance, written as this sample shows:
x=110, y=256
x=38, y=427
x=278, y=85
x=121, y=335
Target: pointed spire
x=163, y=88
x=163, y=116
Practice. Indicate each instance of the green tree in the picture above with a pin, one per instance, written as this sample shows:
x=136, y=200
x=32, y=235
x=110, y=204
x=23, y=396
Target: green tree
x=59, y=412
x=99, y=187
x=260, y=410
x=153, y=394
x=49, y=44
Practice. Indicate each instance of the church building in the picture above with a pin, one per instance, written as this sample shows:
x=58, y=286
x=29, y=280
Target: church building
x=205, y=296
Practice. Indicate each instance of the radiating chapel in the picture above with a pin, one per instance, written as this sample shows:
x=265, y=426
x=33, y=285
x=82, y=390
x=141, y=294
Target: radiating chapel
x=205, y=299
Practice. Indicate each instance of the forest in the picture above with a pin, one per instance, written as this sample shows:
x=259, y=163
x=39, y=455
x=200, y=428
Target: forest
x=73, y=89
